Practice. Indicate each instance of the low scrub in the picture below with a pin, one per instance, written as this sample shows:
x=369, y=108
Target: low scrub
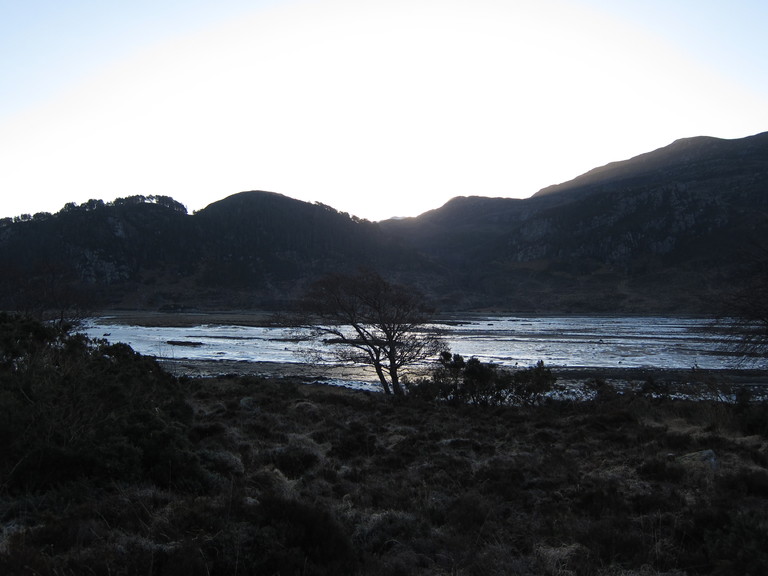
x=222, y=476
x=457, y=381
x=73, y=408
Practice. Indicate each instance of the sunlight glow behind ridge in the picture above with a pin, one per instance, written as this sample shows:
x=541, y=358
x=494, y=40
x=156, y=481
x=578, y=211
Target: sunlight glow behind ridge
x=377, y=109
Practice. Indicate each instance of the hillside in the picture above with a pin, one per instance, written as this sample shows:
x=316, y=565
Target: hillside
x=687, y=159
x=661, y=232
x=253, y=249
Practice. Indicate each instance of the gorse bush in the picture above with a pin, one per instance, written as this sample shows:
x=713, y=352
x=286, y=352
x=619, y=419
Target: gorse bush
x=74, y=408
x=457, y=381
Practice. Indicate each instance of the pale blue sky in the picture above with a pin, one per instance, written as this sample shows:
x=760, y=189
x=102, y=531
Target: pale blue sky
x=727, y=36
x=50, y=44
x=376, y=107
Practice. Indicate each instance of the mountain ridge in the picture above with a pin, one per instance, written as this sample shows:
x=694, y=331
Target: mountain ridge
x=660, y=232
x=702, y=149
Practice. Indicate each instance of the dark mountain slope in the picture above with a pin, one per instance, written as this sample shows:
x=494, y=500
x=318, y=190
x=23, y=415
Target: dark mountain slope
x=84, y=255
x=686, y=160
x=262, y=241
x=250, y=249
x=659, y=232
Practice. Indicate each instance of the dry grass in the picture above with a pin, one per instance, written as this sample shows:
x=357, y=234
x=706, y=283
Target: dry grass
x=306, y=479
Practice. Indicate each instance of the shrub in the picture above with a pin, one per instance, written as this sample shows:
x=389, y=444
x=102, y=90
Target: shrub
x=740, y=546
x=459, y=382
x=750, y=482
x=724, y=540
x=662, y=470
x=752, y=418
x=73, y=408
x=531, y=385
x=298, y=538
x=293, y=461
x=380, y=532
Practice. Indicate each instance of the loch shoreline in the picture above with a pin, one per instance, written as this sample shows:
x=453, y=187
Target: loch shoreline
x=619, y=377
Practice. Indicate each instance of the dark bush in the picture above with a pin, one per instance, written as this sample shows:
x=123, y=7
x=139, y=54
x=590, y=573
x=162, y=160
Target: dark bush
x=752, y=418
x=662, y=470
x=741, y=545
x=293, y=461
x=722, y=540
x=353, y=440
x=614, y=539
x=501, y=477
x=73, y=408
x=468, y=512
x=531, y=385
x=461, y=382
x=297, y=538
x=745, y=482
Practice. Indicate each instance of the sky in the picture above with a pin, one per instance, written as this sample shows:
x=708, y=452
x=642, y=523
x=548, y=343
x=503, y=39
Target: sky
x=378, y=108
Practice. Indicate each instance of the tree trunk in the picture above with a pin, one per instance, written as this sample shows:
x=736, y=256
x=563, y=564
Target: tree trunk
x=393, y=376
x=382, y=378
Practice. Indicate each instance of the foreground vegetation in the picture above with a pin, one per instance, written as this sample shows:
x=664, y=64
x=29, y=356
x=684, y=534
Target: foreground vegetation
x=111, y=466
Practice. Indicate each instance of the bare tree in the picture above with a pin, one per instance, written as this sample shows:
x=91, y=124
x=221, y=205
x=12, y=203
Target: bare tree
x=365, y=319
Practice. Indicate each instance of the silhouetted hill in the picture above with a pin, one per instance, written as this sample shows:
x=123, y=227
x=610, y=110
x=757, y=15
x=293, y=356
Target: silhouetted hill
x=693, y=160
x=250, y=249
x=266, y=243
x=82, y=254
x=657, y=233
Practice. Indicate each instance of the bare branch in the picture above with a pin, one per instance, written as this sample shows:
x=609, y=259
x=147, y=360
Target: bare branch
x=366, y=319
